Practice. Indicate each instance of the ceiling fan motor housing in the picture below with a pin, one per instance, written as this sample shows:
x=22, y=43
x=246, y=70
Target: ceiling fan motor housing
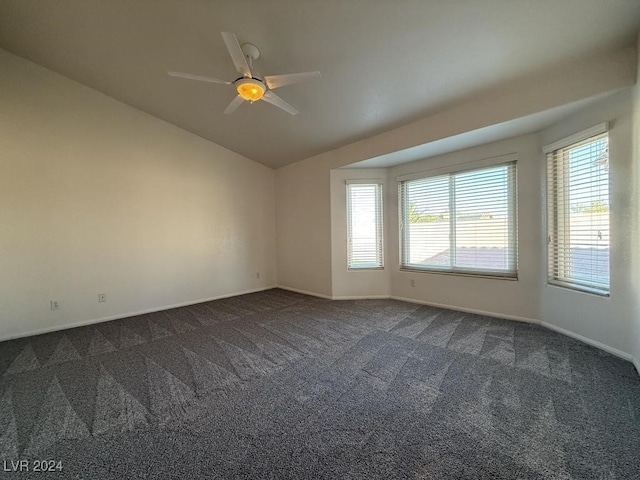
x=250, y=51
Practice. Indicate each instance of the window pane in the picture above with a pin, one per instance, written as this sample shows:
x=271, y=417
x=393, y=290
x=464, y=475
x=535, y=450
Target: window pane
x=427, y=217
x=480, y=236
x=364, y=225
x=578, y=196
x=483, y=226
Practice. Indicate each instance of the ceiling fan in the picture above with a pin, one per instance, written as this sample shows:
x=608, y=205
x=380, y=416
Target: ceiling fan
x=250, y=87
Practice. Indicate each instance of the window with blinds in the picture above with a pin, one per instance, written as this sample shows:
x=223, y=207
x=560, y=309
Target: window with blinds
x=462, y=222
x=364, y=225
x=578, y=212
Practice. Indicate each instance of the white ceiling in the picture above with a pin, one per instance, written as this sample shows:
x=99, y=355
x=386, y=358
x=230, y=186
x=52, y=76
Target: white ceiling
x=384, y=63
x=493, y=133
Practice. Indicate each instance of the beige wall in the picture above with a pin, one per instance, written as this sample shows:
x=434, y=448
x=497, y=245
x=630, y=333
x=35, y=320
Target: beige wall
x=356, y=283
x=607, y=320
x=96, y=196
x=635, y=219
x=304, y=228
x=516, y=299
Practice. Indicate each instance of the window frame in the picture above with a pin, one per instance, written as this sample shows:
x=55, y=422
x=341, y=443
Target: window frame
x=509, y=160
x=379, y=221
x=553, y=251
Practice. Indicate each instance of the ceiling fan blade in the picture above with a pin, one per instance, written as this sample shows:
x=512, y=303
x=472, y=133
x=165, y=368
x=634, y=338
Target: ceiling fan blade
x=274, y=99
x=277, y=81
x=201, y=78
x=236, y=53
x=235, y=103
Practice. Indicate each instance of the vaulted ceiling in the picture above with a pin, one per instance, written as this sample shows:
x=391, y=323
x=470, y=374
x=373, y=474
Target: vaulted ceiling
x=383, y=63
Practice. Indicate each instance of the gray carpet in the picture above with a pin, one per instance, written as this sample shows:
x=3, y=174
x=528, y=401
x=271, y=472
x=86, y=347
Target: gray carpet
x=280, y=385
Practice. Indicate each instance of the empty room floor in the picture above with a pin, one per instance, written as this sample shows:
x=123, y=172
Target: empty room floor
x=281, y=385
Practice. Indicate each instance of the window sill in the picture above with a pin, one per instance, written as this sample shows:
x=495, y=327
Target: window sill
x=460, y=274
x=577, y=289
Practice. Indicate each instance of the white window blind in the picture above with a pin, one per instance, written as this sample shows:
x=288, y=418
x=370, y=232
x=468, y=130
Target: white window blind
x=578, y=215
x=364, y=225
x=461, y=222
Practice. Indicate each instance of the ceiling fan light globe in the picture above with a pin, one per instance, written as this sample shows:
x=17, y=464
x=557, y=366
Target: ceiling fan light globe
x=250, y=89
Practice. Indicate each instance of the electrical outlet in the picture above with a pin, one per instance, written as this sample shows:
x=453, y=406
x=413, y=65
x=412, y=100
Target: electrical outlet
x=412, y=282
x=102, y=297
x=55, y=305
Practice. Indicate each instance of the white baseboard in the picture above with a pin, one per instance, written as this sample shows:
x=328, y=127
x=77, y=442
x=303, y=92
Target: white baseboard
x=335, y=297
x=412, y=300
x=469, y=310
x=361, y=297
x=588, y=341
x=568, y=333
x=304, y=292
x=92, y=321
x=593, y=343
